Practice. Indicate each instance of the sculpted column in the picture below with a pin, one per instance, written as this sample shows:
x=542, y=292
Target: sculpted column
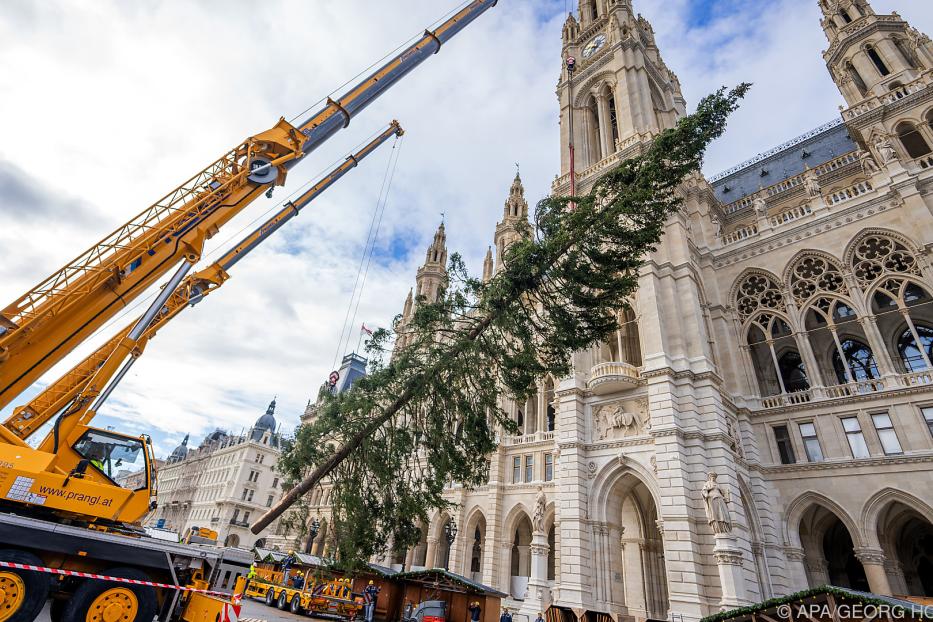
x=429, y=558
x=727, y=552
x=538, y=597
x=873, y=563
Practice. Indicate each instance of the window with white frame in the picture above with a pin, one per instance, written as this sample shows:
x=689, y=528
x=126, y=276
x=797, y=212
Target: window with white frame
x=517, y=470
x=811, y=443
x=548, y=467
x=529, y=468
x=928, y=417
x=855, y=437
x=886, y=434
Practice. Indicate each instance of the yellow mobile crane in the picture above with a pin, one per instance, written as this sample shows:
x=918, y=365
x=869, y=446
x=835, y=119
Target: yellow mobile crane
x=73, y=468
x=63, y=486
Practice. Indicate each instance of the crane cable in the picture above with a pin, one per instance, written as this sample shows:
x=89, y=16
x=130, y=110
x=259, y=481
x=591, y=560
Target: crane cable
x=346, y=332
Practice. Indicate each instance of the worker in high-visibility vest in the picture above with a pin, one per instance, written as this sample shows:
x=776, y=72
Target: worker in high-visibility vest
x=250, y=575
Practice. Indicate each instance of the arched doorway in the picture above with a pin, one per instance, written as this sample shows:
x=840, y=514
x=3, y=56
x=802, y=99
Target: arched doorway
x=474, y=543
x=907, y=540
x=232, y=540
x=635, y=573
x=420, y=553
x=520, y=557
x=829, y=550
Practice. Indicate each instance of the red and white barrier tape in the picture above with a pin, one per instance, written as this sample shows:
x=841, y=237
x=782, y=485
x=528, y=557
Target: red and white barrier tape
x=89, y=575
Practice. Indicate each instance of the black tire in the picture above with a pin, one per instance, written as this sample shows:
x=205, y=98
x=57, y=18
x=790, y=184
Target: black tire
x=56, y=609
x=36, y=584
x=295, y=605
x=270, y=597
x=77, y=606
x=283, y=600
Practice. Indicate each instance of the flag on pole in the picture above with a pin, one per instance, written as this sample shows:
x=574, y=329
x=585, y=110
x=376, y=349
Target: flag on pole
x=363, y=329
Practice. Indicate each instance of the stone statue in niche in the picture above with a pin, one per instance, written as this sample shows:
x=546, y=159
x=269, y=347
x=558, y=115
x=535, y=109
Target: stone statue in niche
x=540, y=509
x=612, y=417
x=811, y=183
x=716, y=498
x=869, y=166
x=735, y=439
x=760, y=205
x=885, y=149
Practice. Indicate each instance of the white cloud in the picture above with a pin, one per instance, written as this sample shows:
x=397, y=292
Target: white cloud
x=105, y=105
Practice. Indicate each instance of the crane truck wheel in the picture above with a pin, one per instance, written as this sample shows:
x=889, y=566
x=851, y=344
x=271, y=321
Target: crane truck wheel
x=295, y=605
x=105, y=601
x=270, y=597
x=22, y=592
x=283, y=600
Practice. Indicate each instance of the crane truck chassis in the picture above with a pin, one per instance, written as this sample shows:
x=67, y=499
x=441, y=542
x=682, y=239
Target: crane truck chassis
x=71, y=516
x=49, y=544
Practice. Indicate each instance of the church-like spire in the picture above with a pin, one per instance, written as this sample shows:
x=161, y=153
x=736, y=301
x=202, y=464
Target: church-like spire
x=406, y=310
x=437, y=252
x=488, y=265
x=516, y=207
x=870, y=55
x=433, y=274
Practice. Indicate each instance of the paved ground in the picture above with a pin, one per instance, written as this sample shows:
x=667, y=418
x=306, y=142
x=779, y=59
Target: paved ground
x=254, y=611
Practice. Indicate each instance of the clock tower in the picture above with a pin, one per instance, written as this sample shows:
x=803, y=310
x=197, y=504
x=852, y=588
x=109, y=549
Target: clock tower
x=621, y=92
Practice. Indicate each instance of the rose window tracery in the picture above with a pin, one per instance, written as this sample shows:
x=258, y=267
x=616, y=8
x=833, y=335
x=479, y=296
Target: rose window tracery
x=877, y=255
x=758, y=292
x=812, y=274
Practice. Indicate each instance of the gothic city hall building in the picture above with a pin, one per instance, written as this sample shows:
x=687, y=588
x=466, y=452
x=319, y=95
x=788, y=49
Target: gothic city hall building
x=763, y=420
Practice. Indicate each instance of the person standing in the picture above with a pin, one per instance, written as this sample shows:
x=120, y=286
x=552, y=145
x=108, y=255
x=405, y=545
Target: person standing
x=540, y=618
x=370, y=593
x=476, y=611
x=506, y=616
x=250, y=576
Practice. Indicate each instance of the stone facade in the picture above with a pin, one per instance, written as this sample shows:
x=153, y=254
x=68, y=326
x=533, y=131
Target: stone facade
x=772, y=343
x=223, y=484
x=763, y=421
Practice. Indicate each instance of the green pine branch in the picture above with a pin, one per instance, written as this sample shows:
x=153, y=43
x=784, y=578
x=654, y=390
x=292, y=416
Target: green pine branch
x=427, y=415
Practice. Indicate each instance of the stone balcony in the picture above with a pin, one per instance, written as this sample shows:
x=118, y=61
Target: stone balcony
x=901, y=93
x=528, y=439
x=613, y=376
x=859, y=388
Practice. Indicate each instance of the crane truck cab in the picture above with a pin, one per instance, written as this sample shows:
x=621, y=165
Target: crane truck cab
x=80, y=480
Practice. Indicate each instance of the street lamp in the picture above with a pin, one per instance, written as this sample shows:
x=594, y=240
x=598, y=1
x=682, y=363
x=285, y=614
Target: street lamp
x=450, y=533
x=313, y=529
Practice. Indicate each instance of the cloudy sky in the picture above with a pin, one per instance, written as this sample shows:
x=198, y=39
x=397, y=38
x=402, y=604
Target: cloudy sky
x=105, y=106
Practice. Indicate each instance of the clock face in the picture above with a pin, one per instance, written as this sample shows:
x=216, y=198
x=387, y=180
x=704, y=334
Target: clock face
x=595, y=43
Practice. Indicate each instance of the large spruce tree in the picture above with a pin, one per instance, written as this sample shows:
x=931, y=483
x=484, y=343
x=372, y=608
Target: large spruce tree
x=427, y=415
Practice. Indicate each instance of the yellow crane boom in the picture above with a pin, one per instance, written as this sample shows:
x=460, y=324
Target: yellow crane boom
x=46, y=323
x=86, y=380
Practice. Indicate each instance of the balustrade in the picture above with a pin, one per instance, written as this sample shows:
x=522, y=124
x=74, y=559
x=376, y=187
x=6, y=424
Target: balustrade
x=847, y=194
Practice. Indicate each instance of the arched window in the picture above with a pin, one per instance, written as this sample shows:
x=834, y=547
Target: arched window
x=613, y=120
x=812, y=274
x=915, y=357
x=551, y=414
x=876, y=59
x=914, y=142
x=793, y=372
x=594, y=9
x=899, y=301
x=857, y=79
x=859, y=362
x=594, y=143
x=845, y=17
x=876, y=255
